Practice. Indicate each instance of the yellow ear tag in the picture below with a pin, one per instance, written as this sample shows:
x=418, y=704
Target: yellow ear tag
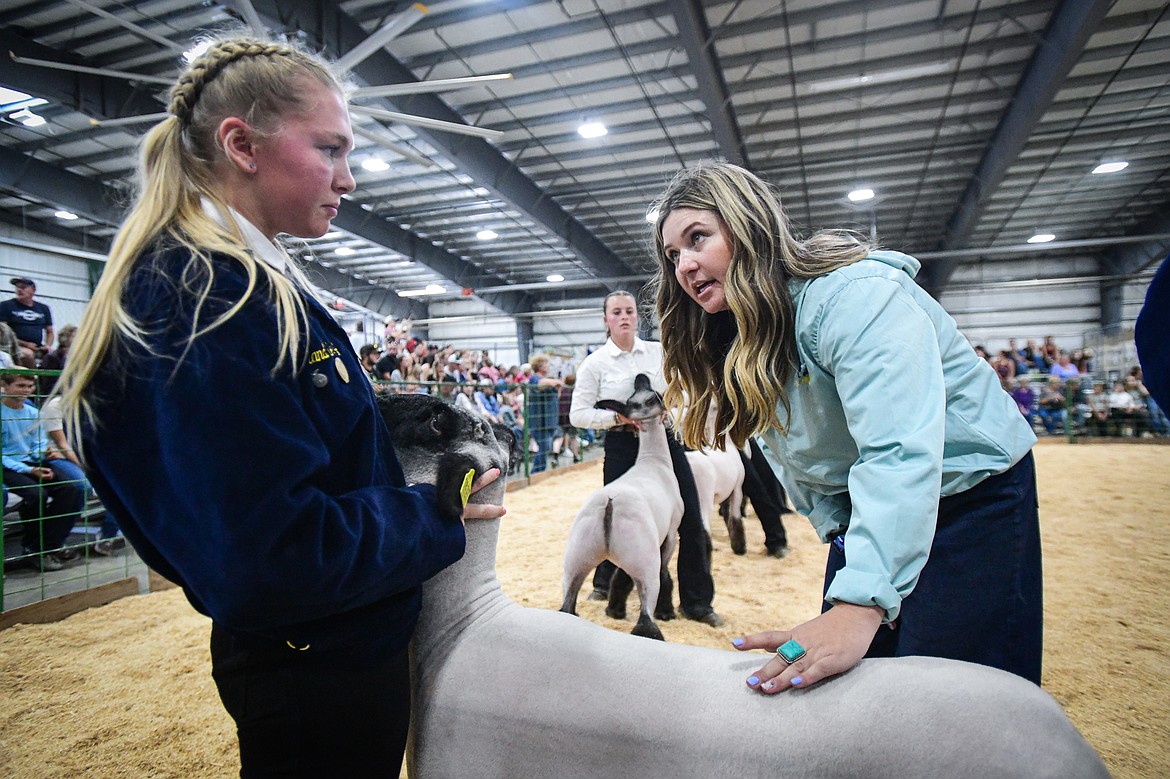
x=465, y=490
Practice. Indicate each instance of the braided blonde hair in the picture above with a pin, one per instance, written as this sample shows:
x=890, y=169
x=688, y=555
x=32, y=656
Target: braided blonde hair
x=737, y=361
x=258, y=81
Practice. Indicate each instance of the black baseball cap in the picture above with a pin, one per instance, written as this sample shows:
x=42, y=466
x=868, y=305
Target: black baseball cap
x=23, y=280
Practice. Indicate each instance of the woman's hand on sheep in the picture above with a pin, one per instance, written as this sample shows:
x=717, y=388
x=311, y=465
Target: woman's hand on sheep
x=475, y=510
x=833, y=643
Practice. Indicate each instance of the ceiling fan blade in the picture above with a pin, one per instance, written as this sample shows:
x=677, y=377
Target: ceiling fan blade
x=422, y=121
x=131, y=26
x=124, y=120
x=248, y=11
x=95, y=71
x=420, y=87
x=397, y=148
x=380, y=37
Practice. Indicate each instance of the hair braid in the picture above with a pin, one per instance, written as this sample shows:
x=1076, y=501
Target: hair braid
x=185, y=93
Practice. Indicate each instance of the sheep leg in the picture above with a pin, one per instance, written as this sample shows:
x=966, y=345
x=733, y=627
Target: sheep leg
x=664, y=609
x=572, y=589
x=734, y=522
x=645, y=627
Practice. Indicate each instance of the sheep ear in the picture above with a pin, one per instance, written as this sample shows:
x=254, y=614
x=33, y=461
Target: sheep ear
x=641, y=382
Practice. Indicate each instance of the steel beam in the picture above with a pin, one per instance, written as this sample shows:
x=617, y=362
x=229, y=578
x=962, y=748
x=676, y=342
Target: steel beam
x=1069, y=29
x=325, y=23
x=106, y=97
x=699, y=43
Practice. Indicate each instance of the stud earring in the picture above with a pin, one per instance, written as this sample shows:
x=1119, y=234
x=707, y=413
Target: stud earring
x=251, y=166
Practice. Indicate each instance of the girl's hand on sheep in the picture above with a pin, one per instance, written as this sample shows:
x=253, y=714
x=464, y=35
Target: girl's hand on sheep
x=622, y=419
x=475, y=510
x=833, y=643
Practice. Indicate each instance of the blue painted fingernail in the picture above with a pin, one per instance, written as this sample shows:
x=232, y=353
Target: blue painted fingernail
x=797, y=681
x=737, y=642
x=753, y=680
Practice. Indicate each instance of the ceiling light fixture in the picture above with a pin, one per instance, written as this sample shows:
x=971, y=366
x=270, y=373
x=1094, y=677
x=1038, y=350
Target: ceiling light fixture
x=652, y=216
x=192, y=54
x=431, y=289
x=1042, y=238
x=66, y=215
x=1111, y=167
x=858, y=195
x=592, y=130
x=27, y=118
x=487, y=235
x=555, y=277
x=375, y=164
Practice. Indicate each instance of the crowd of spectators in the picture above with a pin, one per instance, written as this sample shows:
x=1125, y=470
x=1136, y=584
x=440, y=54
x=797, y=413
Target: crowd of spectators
x=1059, y=393
x=523, y=397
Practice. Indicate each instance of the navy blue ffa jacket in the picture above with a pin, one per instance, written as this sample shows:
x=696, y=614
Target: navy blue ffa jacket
x=275, y=501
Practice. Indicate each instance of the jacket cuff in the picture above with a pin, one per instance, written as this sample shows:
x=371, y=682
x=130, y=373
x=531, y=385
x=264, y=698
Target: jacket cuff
x=865, y=589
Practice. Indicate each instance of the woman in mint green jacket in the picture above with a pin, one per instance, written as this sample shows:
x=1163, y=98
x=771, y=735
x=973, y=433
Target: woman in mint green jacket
x=885, y=427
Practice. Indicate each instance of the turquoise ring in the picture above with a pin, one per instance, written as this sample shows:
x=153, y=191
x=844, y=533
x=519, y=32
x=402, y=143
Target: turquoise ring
x=790, y=651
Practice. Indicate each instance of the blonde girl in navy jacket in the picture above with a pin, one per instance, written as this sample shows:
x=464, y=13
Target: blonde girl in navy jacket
x=229, y=428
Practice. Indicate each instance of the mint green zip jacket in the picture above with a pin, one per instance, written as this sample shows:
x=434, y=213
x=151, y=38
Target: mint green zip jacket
x=891, y=410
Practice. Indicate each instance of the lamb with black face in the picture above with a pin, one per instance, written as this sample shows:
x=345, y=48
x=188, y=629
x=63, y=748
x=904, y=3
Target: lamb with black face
x=438, y=444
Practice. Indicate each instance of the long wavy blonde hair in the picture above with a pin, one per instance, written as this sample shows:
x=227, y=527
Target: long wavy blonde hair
x=737, y=362
x=259, y=81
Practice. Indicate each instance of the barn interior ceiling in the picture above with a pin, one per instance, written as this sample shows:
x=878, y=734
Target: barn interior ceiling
x=957, y=131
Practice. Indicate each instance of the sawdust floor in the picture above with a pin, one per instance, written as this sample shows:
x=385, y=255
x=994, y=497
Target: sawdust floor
x=125, y=690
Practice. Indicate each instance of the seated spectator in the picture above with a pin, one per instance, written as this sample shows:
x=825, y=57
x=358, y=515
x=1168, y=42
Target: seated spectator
x=51, y=496
x=511, y=410
x=1099, y=421
x=1083, y=360
x=1124, y=409
x=31, y=320
x=370, y=354
x=1063, y=368
x=9, y=346
x=487, y=370
x=55, y=360
x=486, y=401
x=1015, y=355
x=1035, y=357
x=464, y=398
x=1141, y=400
x=388, y=363
x=1025, y=398
x=1051, y=406
x=1005, y=366
x=1076, y=405
x=1050, y=350
x=109, y=534
x=455, y=369
x=448, y=388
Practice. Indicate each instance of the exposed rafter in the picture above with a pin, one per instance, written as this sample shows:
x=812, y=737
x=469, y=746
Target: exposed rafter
x=696, y=37
x=104, y=97
x=1069, y=29
x=324, y=22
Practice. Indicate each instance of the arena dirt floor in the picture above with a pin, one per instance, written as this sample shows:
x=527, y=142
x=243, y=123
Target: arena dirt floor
x=125, y=690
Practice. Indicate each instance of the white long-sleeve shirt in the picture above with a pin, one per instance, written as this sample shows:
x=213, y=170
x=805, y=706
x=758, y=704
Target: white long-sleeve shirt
x=608, y=374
